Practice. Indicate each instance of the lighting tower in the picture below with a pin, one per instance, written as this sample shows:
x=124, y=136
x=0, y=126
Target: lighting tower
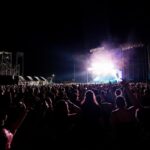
x=5, y=63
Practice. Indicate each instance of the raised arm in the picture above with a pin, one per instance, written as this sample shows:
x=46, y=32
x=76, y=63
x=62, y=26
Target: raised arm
x=20, y=118
x=74, y=107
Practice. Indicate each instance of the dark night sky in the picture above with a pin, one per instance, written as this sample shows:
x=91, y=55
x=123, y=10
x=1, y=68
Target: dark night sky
x=53, y=35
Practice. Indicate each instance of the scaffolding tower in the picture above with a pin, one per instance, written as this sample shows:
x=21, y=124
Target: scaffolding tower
x=5, y=63
x=7, y=68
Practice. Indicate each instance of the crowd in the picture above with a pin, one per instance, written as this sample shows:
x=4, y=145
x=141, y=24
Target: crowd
x=75, y=116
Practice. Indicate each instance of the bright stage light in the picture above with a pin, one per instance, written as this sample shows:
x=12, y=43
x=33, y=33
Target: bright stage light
x=103, y=69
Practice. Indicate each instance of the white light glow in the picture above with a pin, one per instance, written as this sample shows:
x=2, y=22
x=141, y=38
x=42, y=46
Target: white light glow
x=103, y=67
